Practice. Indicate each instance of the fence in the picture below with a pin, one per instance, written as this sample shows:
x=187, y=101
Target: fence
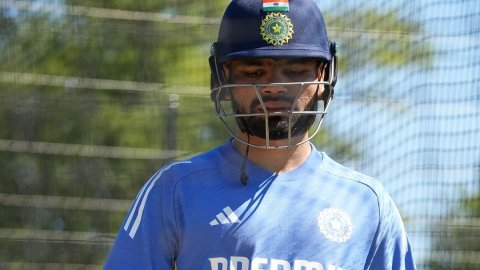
x=94, y=97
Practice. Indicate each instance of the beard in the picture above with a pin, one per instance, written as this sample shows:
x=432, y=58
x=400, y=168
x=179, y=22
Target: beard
x=278, y=125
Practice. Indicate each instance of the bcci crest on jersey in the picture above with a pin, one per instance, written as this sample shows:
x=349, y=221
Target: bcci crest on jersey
x=335, y=225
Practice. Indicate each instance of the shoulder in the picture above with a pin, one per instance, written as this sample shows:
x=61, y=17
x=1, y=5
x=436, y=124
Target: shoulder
x=370, y=185
x=207, y=167
x=387, y=208
x=338, y=170
x=195, y=165
x=159, y=191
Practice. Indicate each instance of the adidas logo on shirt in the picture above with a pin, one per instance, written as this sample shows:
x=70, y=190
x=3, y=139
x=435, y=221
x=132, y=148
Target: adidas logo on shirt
x=227, y=216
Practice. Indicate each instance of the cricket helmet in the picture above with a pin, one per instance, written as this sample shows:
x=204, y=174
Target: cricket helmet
x=271, y=29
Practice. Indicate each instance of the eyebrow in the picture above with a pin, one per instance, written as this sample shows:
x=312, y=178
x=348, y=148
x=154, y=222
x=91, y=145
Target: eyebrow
x=259, y=62
x=251, y=61
x=294, y=60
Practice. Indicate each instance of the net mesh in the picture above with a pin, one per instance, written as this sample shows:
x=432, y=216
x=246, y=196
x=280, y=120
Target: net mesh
x=95, y=96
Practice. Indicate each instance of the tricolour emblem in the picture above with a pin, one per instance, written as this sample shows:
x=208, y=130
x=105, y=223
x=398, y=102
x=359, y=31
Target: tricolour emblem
x=275, y=5
x=335, y=225
x=276, y=29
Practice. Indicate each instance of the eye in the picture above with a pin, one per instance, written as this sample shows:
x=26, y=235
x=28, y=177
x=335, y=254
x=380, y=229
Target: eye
x=297, y=74
x=253, y=73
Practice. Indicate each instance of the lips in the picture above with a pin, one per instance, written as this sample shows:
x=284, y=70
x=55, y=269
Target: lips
x=275, y=106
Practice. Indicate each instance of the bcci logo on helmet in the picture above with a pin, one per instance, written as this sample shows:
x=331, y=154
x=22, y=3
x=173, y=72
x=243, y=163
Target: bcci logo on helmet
x=276, y=29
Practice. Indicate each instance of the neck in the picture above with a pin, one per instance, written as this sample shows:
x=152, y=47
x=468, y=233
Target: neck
x=276, y=160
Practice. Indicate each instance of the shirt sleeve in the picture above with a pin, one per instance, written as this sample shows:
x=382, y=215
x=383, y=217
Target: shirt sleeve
x=147, y=237
x=390, y=248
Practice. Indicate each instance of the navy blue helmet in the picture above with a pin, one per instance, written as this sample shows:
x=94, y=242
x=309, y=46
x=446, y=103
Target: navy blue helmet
x=271, y=29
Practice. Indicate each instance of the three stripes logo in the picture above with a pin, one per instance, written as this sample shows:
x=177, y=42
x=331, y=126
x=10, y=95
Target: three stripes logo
x=226, y=216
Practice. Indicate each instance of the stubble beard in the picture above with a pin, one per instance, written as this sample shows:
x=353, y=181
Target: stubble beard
x=278, y=126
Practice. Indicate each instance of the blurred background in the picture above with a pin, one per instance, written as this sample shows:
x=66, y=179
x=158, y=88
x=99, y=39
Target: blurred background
x=97, y=95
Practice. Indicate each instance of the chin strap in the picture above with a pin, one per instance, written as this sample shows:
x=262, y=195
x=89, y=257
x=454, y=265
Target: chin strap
x=243, y=173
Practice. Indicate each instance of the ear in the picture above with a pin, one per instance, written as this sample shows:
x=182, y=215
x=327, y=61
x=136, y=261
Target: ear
x=226, y=71
x=321, y=73
x=217, y=78
x=321, y=70
x=226, y=95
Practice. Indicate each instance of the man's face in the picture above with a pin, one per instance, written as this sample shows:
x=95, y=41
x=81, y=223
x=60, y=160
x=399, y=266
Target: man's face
x=277, y=100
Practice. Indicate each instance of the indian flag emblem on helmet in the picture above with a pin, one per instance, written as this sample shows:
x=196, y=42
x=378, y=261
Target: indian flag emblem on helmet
x=276, y=29
x=275, y=5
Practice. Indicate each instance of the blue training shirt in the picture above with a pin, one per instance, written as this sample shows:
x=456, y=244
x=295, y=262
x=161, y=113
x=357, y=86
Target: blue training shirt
x=320, y=216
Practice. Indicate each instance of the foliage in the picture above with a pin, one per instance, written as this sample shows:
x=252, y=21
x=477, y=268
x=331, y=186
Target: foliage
x=459, y=241
x=399, y=43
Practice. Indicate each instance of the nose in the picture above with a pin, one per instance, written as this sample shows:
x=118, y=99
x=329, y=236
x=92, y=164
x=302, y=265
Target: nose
x=273, y=89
